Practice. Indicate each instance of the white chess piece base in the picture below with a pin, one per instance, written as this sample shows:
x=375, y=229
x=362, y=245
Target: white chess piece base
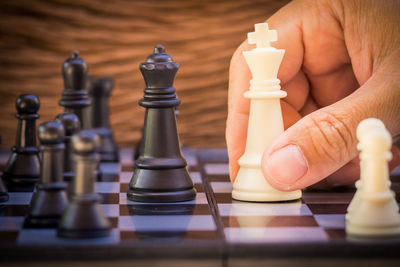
x=256, y=189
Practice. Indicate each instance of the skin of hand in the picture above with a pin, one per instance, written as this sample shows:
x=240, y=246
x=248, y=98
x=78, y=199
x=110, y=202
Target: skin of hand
x=341, y=65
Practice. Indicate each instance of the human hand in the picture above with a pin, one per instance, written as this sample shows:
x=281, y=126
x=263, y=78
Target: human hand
x=341, y=65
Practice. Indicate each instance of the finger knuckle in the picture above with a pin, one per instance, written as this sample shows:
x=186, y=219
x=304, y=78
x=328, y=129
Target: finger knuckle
x=331, y=136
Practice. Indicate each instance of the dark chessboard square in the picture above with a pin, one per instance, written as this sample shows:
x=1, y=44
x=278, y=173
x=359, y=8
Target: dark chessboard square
x=164, y=209
x=327, y=197
x=328, y=208
x=123, y=187
x=269, y=221
x=109, y=198
x=113, y=221
x=199, y=187
x=219, y=178
x=13, y=210
x=336, y=234
x=223, y=198
x=127, y=168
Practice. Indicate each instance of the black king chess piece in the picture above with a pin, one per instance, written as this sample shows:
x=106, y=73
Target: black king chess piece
x=84, y=217
x=23, y=166
x=99, y=93
x=161, y=174
x=71, y=125
x=75, y=98
x=50, y=200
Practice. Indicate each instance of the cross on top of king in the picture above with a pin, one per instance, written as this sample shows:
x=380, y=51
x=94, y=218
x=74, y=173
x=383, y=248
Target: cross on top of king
x=262, y=36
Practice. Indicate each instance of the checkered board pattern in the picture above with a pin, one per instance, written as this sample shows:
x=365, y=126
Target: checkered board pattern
x=319, y=217
x=213, y=220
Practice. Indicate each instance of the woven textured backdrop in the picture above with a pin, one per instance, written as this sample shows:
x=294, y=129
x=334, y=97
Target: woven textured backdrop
x=114, y=37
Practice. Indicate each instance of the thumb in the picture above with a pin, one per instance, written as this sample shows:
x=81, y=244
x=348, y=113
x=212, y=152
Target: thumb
x=325, y=140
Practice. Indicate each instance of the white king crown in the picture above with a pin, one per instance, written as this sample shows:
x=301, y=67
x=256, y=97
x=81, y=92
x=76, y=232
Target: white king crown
x=262, y=36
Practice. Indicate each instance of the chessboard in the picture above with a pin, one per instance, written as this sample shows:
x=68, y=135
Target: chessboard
x=211, y=230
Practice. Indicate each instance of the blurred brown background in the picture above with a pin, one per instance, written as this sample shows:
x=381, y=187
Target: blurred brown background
x=114, y=37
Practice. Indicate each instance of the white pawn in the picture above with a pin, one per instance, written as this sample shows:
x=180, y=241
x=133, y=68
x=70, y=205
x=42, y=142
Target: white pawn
x=377, y=213
x=363, y=127
x=265, y=118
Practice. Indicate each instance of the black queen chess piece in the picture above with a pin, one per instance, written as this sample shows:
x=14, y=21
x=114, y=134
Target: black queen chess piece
x=161, y=173
x=50, y=200
x=99, y=93
x=23, y=166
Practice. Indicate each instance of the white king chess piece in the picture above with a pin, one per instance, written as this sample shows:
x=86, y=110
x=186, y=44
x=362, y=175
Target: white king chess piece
x=376, y=212
x=265, y=118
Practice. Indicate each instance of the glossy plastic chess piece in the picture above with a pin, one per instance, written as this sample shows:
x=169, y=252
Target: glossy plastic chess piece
x=71, y=126
x=161, y=174
x=50, y=200
x=23, y=166
x=99, y=93
x=377, y=212
x=363, y=128
x=265, y=120
x=84, y=216
x=75, y=97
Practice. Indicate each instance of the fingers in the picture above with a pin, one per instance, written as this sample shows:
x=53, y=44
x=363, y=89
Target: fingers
x=238, y=134
x=289, y=38
x=324, y=141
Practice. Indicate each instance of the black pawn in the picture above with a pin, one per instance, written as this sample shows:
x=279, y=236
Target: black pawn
x=75, y=97
x=99, y=93
x=71, y=126
x=84, y=217
x=50, y=200
x=23, y=165
x=161, y=174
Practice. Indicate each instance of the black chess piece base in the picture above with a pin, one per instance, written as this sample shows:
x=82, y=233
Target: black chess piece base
x=84, y=218
x=68, y=176
x=154, y=186
x=3, y=192
x=23, y=166
x=47, y=206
